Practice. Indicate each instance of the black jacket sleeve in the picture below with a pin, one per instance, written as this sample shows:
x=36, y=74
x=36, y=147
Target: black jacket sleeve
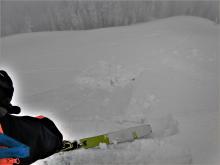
x=50, y=138
x=41, y=135
x=49, y=124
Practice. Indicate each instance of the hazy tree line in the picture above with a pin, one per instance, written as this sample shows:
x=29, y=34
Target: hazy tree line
x=33, y=16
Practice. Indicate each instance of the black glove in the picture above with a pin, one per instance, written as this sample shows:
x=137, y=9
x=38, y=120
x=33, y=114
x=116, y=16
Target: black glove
x=13, y=109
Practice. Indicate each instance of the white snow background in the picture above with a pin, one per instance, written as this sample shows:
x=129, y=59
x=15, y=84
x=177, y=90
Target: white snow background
x=162, y=73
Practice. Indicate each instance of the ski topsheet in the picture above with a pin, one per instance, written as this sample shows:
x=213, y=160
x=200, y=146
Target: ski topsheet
x=124, y=135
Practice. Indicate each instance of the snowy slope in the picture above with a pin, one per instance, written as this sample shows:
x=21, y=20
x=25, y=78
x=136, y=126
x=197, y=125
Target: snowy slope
x=91, y=82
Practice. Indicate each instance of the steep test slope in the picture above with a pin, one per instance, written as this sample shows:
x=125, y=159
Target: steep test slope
x=162, y=73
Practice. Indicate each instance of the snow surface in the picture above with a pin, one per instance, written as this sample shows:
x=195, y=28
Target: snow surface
x=162, y=73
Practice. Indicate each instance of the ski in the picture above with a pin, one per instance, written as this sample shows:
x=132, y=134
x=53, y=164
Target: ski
x=120, y=136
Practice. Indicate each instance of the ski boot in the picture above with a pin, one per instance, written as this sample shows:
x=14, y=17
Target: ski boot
x=68, y=146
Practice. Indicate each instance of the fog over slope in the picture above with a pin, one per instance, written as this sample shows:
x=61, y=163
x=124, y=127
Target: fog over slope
x=62, y=15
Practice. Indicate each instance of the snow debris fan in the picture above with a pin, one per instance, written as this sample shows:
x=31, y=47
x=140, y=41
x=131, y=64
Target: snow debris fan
x=107, y=76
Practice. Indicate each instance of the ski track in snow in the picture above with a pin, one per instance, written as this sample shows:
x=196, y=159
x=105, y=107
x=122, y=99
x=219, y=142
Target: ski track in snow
x=162, y=73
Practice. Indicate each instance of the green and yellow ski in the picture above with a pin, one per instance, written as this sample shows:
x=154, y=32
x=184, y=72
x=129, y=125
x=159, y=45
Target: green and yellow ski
x=124, y=135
